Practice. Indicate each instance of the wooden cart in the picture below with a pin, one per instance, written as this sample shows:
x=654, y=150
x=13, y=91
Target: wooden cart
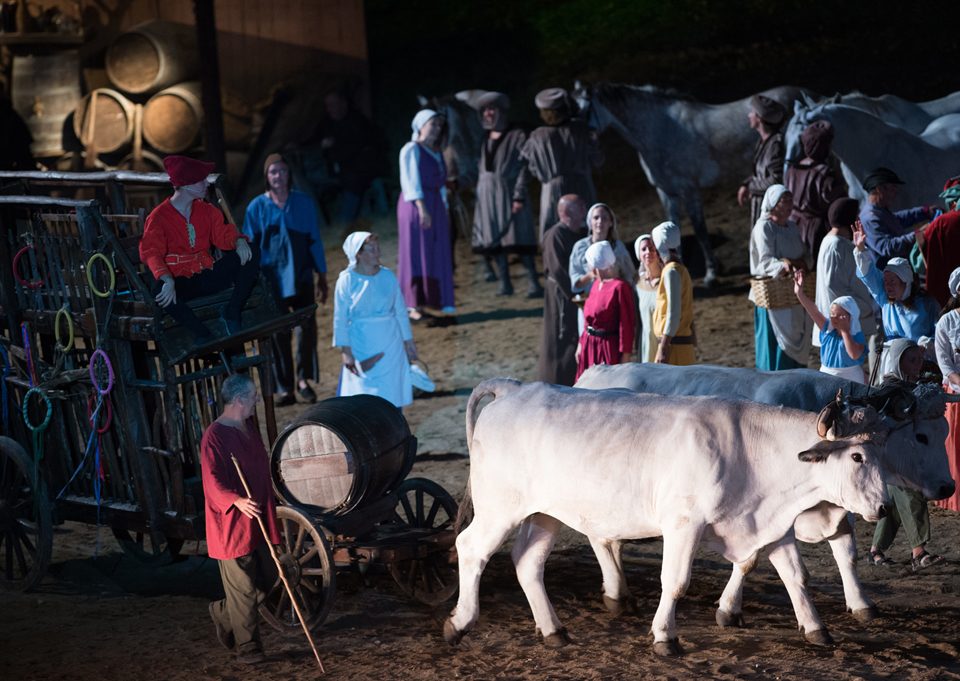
x=105, y=401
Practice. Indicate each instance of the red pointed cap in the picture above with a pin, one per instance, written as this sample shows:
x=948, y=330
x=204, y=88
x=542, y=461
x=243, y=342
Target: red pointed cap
x=184, y=170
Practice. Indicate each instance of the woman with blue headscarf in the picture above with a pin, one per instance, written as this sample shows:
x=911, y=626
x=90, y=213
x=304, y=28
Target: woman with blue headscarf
x=424, y=255
x=370, y=326
x=842, y=343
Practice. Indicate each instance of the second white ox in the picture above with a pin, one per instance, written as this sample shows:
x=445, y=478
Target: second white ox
x=915, y=455
x=616, y=465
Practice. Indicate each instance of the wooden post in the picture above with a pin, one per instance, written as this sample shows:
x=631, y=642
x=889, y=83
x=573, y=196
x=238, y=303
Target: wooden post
x=210, y=82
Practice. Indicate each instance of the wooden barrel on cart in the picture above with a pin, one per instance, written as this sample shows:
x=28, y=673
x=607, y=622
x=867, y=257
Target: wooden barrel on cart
x=342, y=453
x=173, y=118
x=152, y=56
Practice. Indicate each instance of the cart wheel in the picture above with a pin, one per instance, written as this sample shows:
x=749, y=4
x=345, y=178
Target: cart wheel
x=308, y=564
x=431, y=578
x=26, y=530
x=140, y=545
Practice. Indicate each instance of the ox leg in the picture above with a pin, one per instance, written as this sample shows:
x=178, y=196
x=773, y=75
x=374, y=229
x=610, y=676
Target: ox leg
x=535, y=540
x=475, y=545
x=844, y=547
x=695, y=211
x=678, y=550
x=730, y=606
x=616, y=595
x=785, y=557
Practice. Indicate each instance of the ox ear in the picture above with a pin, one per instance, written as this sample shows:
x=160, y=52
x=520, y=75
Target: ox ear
x=827, y=419
x=818, y=453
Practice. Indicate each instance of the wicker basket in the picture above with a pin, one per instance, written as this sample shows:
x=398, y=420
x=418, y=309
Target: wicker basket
x=777, y=292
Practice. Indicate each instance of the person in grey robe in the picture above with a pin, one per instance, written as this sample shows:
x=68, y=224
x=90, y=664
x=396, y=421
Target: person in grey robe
x=766, y=116
x=560, y=154
x=502, y=220
x=558, y=345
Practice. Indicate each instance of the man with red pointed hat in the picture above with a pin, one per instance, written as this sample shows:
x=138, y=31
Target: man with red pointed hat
x=176, y=246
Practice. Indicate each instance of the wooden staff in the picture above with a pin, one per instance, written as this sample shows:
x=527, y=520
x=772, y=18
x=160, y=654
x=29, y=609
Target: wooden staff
x=276, y=560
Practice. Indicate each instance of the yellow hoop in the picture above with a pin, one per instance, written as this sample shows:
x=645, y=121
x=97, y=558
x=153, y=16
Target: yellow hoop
x=63, y=312
x=109, y=266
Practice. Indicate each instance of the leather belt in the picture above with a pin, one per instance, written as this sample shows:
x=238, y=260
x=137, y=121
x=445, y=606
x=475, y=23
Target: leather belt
x=600, y=332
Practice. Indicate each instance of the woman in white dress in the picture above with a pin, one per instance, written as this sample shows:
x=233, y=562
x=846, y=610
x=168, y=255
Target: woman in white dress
x=370, y=326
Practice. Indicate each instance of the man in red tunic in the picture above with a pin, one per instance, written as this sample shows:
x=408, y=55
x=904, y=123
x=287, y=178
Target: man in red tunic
x=233, y=534
x=176, y=247
x=941, y=243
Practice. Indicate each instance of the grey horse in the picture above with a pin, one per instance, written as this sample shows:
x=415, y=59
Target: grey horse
x=863, y=142
x=684, y=145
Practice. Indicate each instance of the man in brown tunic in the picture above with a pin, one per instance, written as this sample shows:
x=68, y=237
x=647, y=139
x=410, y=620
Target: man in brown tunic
x=766, y=116
x=560, y=154
x=558, y=346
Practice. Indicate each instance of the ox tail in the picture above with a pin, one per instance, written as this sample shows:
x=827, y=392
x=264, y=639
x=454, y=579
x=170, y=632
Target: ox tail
x=494, y=387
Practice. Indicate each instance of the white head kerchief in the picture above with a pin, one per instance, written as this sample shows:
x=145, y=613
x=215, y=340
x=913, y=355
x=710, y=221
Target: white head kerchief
x=954, y=283
x=901, y=268
x=420, y=120
x=600, y=256
x=850, y=305
x=771, y=198
x=352, y=245
x=666, y=237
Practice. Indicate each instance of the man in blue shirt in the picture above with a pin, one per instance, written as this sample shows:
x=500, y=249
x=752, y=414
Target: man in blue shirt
x=890, y=234
x=284, y=223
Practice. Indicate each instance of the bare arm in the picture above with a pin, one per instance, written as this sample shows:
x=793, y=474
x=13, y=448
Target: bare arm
x=807, y=304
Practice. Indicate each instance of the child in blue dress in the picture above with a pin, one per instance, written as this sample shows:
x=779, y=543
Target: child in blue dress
x=842, y=344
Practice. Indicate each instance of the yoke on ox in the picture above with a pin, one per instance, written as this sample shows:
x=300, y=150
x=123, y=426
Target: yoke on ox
x=915, y=454
x=735, y=475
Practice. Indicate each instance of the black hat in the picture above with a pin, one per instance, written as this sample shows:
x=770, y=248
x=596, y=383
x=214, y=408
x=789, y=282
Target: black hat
x=879, y=176
x=843, y=212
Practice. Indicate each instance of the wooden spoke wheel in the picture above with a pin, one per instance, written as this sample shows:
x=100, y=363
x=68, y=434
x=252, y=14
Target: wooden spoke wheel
x=141, y=546
x=430, y=577
x=26, y=531
x=307, y=562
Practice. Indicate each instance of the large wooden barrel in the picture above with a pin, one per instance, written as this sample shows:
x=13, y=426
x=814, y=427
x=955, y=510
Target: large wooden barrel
x=112, y=124
x=173, y=118
x=45, y=89
x=342, y=454
x=152, y=56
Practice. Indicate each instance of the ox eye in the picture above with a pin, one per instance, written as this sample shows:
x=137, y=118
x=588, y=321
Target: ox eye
x=922, y=439
x=857, y=456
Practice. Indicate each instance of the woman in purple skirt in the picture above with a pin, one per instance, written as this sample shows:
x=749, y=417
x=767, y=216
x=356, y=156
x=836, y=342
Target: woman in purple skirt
x=425, y=260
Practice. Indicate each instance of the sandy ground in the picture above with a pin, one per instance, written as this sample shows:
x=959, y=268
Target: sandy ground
x=101, y=615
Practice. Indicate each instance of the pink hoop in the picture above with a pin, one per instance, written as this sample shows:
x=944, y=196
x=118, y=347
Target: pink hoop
x=16, y=270
x=93, y=374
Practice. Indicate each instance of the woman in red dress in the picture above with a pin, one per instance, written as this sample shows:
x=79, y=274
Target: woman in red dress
x=609, y=313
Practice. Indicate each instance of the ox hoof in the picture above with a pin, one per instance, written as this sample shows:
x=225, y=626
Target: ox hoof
x=818, y=637
x=866, y=614
x=729, y=619
x=451, y=634
x=670, y=648
x=557, y=639
x=618, y=607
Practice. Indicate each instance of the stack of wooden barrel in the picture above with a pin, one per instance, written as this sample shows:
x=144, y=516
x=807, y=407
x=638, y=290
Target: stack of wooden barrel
x=153, y=107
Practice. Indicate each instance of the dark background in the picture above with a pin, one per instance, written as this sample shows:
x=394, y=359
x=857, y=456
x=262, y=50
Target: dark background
x=715, y=51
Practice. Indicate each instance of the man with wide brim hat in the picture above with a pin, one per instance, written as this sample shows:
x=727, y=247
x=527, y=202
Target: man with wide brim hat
x=766, y=116
x=561, y=154
x=890, y=234
x=502, y=219
x=176, y=243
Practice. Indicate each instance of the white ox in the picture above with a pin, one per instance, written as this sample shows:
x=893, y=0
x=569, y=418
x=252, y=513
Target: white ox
x=616, y=465
x=915, y=455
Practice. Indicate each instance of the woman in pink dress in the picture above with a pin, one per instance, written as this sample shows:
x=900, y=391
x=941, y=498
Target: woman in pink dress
x=609, y=313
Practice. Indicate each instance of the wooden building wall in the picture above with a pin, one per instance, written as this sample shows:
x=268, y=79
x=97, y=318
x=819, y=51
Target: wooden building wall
x=261, y=42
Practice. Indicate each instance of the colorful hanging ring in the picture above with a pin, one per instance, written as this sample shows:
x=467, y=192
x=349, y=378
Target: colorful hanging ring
x=64, y=313
x=93, y=374
x=16, y=270
x=113, y=275
x=35, y=428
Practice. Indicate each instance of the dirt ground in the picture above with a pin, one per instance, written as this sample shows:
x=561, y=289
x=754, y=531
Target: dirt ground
x=101, y=615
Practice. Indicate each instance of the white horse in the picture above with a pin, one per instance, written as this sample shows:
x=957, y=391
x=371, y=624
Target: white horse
x=684, y=145
x=863, y=142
